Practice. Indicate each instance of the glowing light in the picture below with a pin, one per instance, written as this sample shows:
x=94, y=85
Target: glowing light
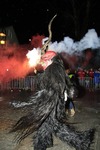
x=2, y=42
x=34, y=57
x=2, y=38
x=2, y=34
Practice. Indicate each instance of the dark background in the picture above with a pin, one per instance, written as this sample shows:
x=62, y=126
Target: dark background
x=31, y=17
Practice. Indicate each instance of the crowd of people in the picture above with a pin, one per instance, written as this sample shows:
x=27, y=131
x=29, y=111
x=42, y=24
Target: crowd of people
x=88, y=78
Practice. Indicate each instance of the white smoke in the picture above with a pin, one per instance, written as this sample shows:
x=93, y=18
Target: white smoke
x=90, y=40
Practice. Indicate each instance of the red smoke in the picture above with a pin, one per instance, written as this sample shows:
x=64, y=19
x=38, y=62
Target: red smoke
x=13, y=62
x=70, y=60
x=37, y=41
x=88, y=56
x=74, y=60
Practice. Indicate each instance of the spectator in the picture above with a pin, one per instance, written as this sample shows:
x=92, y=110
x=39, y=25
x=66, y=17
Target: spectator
x=99, y=78
x=81, y=75
x=96, y=79
x=70, y=108
x=87, y=80
x=91, y=75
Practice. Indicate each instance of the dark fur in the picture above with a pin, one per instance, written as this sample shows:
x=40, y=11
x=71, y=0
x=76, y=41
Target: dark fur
x=47, y=112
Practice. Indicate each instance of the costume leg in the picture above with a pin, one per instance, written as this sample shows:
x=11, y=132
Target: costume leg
x=43, y=138
x=79, y=140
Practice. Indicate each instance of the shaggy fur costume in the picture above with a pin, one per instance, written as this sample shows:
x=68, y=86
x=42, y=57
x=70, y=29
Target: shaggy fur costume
x=47, y=115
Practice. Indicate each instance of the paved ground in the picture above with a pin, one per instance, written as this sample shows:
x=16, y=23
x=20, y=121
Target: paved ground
x=87, y=112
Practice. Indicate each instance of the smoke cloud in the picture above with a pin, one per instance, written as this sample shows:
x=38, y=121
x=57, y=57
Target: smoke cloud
x=79, y=53
x=90, y=40
x=14, y=63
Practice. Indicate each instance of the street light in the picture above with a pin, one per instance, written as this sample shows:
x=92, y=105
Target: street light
x=2, y=38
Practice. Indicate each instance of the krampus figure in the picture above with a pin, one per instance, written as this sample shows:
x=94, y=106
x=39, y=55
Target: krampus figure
x=47, y=115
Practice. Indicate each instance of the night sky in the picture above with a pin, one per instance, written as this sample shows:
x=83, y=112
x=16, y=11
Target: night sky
x=31, y=17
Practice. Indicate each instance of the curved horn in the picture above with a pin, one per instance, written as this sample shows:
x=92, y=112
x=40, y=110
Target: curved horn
x=44, y=48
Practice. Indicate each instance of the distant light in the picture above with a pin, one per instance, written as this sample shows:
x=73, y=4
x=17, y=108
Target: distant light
x=2, y=38
x=2, y=42
x=2, y=34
